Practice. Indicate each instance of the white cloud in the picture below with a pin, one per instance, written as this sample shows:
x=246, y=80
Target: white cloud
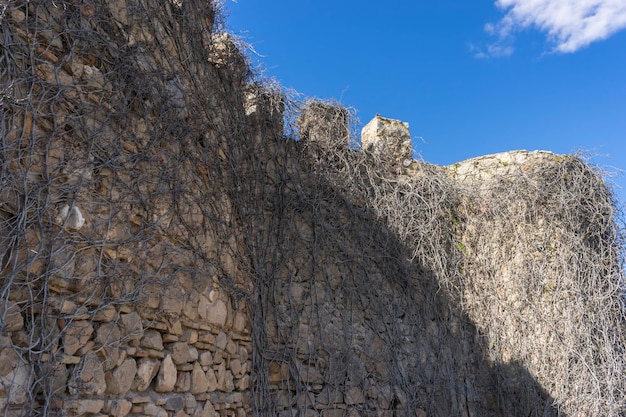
x=569, y=24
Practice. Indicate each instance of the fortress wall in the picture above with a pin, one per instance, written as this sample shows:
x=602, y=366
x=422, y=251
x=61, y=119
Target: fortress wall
x=166, y=251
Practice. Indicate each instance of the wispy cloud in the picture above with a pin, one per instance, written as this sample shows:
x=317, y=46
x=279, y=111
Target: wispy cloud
x=569, y=24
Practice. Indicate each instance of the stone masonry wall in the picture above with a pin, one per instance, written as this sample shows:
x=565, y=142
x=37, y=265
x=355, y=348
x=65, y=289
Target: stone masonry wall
x=166, y=251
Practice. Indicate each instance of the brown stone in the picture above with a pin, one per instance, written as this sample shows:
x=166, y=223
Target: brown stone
x=225, y=381
x=83, y=407
x=120, y=408
x=235, y=367
x=205, y=358
x=105, y=314
x=199, y=380
x=131, y=326
x=212, y=380
x=108, y=336
x=146, y=371
x=152, y=340
x=88, y=378
x=15, y=376
x=214, y=313
x=183, y=382
x=75, y=335
x=183, y=353
x=244, y=383
x=11, y=315
x=121, y=378
x=221, y=340
x=166, y=377
x=354, y=395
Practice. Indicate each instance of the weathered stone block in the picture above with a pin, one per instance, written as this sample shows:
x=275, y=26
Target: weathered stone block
x=152, y=340
x=88, y=378
x=131, y=326
x=120, y=379
x=75, y=335
x=166, y=377
x=183, y=353
x=183, y=382
x=388, y=139
x=120, y=408
x=199, y=380
x=214, y=313
x=108, y=336
x=146, y=371
x=12, y=316
x=15, y=376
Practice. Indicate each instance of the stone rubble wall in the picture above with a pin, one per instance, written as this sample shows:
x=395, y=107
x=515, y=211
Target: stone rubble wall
x=166, y=251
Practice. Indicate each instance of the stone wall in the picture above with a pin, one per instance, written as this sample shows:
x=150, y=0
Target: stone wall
x=166, y=251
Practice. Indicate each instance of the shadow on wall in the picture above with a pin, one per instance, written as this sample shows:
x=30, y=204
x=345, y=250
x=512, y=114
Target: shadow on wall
x=352, y=325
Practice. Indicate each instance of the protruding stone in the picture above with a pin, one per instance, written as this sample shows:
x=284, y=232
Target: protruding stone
x=120, y=379
x=225, y=382
x=199, y=380
x=212, y=380
x=152, y=340
x=388, y=139
x=214, y=313
x=146, y=371
x=166, y=378
x=105, y=314
x=206, y=359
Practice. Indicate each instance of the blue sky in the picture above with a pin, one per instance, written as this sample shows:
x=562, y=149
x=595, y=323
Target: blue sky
x=471, y=77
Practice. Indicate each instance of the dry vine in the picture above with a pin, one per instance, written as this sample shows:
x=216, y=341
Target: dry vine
x=372, y=290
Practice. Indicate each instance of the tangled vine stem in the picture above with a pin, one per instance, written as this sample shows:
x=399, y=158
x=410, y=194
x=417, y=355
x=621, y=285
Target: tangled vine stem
x=145, y=170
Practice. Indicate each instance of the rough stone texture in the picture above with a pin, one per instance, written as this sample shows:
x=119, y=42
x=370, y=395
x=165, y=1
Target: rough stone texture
x=324, y=124
x=108, y=336
x=215, y=313
x=75, y=335
x=12, y=316
x=138, y=120
x=83, y=407
x=183, y=353
x=388, y=139
x=152, y=339
x=88, y=377
x=147, y=369
x=15, y=376
x=121, y=378
x=120, y=408
x=166, y=377
x=199, y=380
